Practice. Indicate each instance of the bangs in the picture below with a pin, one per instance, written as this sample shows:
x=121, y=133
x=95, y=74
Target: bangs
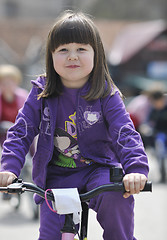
x=70, y=31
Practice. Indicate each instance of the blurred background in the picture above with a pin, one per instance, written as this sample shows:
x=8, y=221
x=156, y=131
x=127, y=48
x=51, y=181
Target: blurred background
x=134, y=35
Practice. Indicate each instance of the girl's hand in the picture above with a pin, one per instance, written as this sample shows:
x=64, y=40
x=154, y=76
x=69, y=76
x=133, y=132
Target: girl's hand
x=6, y=178
x=134, y=183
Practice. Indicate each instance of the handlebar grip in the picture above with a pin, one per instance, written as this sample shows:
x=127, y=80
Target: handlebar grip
x=147, y=187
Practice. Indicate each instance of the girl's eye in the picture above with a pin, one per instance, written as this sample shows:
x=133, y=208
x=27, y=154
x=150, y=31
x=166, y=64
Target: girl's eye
x=63, y=50
x=81, y=49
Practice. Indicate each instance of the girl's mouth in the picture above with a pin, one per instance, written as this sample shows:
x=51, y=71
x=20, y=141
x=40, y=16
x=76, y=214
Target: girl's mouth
x=73, y=66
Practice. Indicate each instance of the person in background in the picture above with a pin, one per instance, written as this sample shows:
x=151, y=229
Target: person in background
x=139, y=108
x=12, y=97
x=157, y=122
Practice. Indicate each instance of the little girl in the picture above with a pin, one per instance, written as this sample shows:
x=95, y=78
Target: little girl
x=83, y=130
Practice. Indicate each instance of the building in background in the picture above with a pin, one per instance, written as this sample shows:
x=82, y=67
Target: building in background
x=138, y=56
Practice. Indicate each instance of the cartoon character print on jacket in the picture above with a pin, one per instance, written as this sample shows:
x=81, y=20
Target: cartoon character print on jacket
x=65, y=141
x=68, y=148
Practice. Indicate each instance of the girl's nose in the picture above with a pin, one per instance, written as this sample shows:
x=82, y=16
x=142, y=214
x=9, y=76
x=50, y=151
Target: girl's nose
x=72, y=56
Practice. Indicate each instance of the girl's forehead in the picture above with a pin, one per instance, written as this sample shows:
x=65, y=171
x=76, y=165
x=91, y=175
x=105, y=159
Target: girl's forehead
x=73, y=44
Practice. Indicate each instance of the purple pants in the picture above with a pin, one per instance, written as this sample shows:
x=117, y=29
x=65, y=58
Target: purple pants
x=114, y=213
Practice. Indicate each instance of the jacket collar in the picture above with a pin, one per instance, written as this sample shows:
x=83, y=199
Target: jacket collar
x=39, y=82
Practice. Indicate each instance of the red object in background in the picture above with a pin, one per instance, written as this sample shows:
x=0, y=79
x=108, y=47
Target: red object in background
x=9, y=110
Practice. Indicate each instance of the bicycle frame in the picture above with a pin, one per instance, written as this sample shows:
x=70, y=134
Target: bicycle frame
x=69, y=231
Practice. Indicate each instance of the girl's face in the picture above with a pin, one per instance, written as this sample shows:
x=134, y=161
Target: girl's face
x=73, y=62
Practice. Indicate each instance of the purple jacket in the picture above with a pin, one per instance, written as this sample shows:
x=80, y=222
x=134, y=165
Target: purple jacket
x=105, y=134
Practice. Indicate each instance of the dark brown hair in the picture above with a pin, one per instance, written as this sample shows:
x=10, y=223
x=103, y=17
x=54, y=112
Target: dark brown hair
x=79, y=28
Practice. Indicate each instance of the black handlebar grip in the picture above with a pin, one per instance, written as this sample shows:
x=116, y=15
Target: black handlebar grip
x=147, y=187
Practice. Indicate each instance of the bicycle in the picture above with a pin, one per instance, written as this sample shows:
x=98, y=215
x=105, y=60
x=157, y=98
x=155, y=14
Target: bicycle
x=69, y=230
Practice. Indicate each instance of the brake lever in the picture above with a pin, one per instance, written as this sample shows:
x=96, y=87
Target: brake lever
x=16, y=186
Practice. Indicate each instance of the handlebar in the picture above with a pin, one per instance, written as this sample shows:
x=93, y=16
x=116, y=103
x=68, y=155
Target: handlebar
x=116, y=187
x=20, y=187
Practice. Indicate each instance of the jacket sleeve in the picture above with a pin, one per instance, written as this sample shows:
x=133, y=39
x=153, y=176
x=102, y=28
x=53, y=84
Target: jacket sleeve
x=21, y=134
x=126, y=141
